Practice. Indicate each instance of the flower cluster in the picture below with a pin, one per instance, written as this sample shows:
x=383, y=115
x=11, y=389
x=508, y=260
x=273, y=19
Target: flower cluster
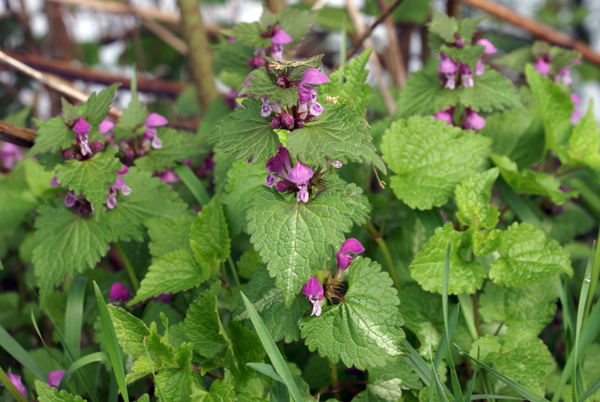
x=279, y=38
x=9, y=156
x=83, y=150
x=295, y=179
x=449, y=68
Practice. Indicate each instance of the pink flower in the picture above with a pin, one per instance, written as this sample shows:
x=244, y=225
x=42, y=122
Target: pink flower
x=168, y=176
x=467, y=76
x=309, y=94
x=278, y=166
x=118, y=292
x=82, y=135
x=445, y=115
x=55, y=377
x=448, y=69
x=300, y=175
x=344, y=259
x=488, y=46
x=314, y=292
x=152, y=121
x=565, y=75
x=576, y=115
x=10, y=155
x=111, y=198
x=106, y=126
x=278, y=40
x=16, y=381
x=542, y=66
x=473, y=121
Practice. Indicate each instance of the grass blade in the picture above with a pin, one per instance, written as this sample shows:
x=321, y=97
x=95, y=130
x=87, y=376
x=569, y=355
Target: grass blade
x=276, y=359
x=443, y=346
x=438, y=386
x=594, y=280
x=265, y=369
x=84, y=361
x=488, y=396
x=14, y=349
x=10, y=387
x=469, y=394
x=193, y=183
x=74, y=315
x=420, y=366
x=114, y=350
x=521, y=390
x=591, y=390
x=466, y=306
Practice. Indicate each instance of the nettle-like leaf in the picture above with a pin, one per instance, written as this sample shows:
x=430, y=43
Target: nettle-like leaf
x=525, y=310
x=492, y=91
x=245, y=134
x=423, y=94
x=248, y=263
x=363, y=330
x=294, y=237
x=52, y=136
x=466, y=55
x=473, y=200
x=244, y=181
x=209, y=237
x=528, y=255
x=91, y=177
x=295, y=23
x=387, y=383
x=247, y=348
x=443, y=26
x=47, y=393
x=150, y=198
x=249, y=34
x=177, y=146
x=353, y=91
x=338, y=134
x=268, y=302
x=98, y=105
x=135, y=115
x=169, y=234
x=177, y=384
x=584, y=143
x=464, y=275
x=66, y=243
x=530, y=182
x=220, y=391
x=294, y=70
x=555, y=107
x=16, y=200
x=262, y=84
x=429, y=159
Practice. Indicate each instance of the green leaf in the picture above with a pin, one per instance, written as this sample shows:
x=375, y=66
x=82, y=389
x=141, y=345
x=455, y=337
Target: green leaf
x=338, y=134
x=16, y=200
x=295, y=23
x=52, y=136
x=66, y=243
x=555, y=107
x=386, y=383
x=429, y=159
x=473, y=200
x=363, y=330
x=91, y=177
x=247, y=348
x=423, y=94
x=293, y=238
x=525, y=310
x=177, y=146
x=354, y=91
x=135, y=115
x=528, y=255
x=492, y=91
x=209, y=237
x=466, y=55
x=443, y=26
x=169, y=234
x=584, y=143
x=262, y=84
x=246, y=134
x=244, y=180
x=268, y=302
x=203, y=325
x=47, y=393
x=173, y=272
x=248, y=263
x=467, y=28
x=530, y=182
x=150, y=198
x=220, y=391
x=427, y=267
x=249, y=34
x=176, y=384
x=98, y=105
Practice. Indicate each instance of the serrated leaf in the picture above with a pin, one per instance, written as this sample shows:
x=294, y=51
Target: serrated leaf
x=177, y=146
x=525, y=310
x=135, y=115
x=150, y=198
x=173, y=272
x=429, y=159
x=209, y=237
x=98, y=104
x=244, y=180
x=386, y=383
x=245, y=134
x=296, y=23
x=47, y=393
x=473, y=200
x=427, y=267
x=203, y=325
x=364, y=329
x=585, y=141
x=268, y=302
x=466, y=55
x=247, y=348
x=70, y=113
x=175, y=384
x=492, y=91
x=467, y=28
x=53, y=136
x=423, y=94
x=16, y=200
x=262, y=84
x=66, y=243
x=91, y=176
x=169, y=234
x=220, y=391
x=249, y=34
x=443, y=26
x=294, y=237
x=338, y=134
x=528, y=255
x=354, y=91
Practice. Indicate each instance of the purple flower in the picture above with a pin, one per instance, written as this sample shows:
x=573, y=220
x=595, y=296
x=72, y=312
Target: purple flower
x=467, y=76
x=16, y=381
x=565, y=75
x=314, y=292
x=10, y=155
x=82, y=134
x=55, y=377
x=448, y=69
x=278, y=166
x=164, y=298
x=300, y=175
x=54, y=182
x=168, y=176
x=266, y=109
x=287, y=120
x=337, y=164
x=474, y=121
x=344, y=259
x=309, y=94
x=278, y=40
x=446, y=115
x=152, y=121
x=111, y=198
x=70, y=199
x=576, y=115
x=479, y=70
x=488, y=46
x=542, y=66
x=118, y=292
x=106, y=126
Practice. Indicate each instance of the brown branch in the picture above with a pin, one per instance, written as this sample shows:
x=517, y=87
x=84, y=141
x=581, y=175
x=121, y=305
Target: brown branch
x=166, y=36
x=17, y=135
x=536, y=28
x=398, y=70
x=369, y=31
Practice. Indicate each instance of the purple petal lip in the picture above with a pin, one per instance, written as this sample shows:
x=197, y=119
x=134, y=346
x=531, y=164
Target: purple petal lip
x=444, y=115
x=300, y=173
x=542, y=66
x=474, y=121
x=313, y=288
x=82, y=126
x=156, y=120
x=16, y=381
x=55, y=377
x=314, y=77
x=447, y=66
x=352, y=246
x=119, y=292
x=576, y=100
x=125, y=170
x=489, y=47
x=281, y=37
x=105, y=126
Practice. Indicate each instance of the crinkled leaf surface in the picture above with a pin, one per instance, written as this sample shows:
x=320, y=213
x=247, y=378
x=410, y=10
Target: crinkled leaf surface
x=466, y=55
x=423, y=94
x=585, y=141
x=364, y=330
x=429, y=159
x=176, y=384
x=98, y=104
x=47, y=393
x=247, y=348
x=209, y=237
x=473, y=200
x=52, y=136
x=169, y=234
x=220, y=391
x=492, y=91
x=386, y=383
x=262, y=84
x=354, y=91
x=177, y=146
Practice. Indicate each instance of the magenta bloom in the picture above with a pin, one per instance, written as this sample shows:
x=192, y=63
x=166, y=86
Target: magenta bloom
x=337, y=164
x=467, y=76
x=16, y=381
x=168, y=176
x=55, y=377
x=10, y=155
x=314, y=292
x=576, y=115
x=447, y=69
x=111, y=198
x=473, y=121
x=278, y=166
x=82, y=134
x=119, y=292
x=445, y=115
x=488, y=46
x=565, y=75
x=542, y=66
x=106, y=126
x=152, y=121
x=278, y=40
x=309, y=94
x=344, y=259
x=300, y=175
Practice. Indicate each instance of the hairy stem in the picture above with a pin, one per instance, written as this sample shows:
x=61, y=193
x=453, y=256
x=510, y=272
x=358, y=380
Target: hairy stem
x=134, y=280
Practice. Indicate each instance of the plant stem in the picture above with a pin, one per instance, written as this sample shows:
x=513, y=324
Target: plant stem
x=134, y=281
x=333, y=379
x=594, y=280
x=236, y=278
x=390, y=262
x=385, y=211
x=476, y=314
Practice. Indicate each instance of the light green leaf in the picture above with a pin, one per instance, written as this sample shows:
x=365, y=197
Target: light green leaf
x=354, y=91
x=473, y=200
x=52, y=136
x=467, y=28
x=492, y=91
x=47, y=393
x=169, y=234
x=220, y=391
x=247, y=348
x=364, y=329
x=295, y=23
x=466, y=55
x=176, y=384
x=91, y=177
x=585, y=141
x=443, y=26
x=135, y=115
x=528, y=255
x=427, y=267
x=209, y=237
x=386, y=383
x=486, y=345
x=244, y=180
x=262, y=84
x=249, y=34
x=16, y=200
x=423, y=94
x=338, y=134
x=98, y=105
x=430, y=158
x=177, y=146
x=248, y=263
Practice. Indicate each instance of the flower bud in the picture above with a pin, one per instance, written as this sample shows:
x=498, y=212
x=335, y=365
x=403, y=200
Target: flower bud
x=281, y=82
x=97, y=146
x=287, y=120
x=79, y=157
x=68, y=154
x=282, y=186
x=251, y=63
x=259, y=62
x=276, y=123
